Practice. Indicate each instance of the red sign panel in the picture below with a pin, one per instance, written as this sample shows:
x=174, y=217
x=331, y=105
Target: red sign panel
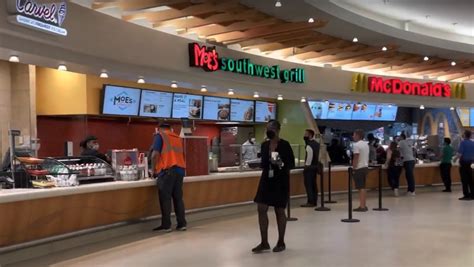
x=399, y=87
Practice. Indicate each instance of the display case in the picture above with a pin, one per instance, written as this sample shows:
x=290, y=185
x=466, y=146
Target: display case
x=70, y=171
x=127, y=165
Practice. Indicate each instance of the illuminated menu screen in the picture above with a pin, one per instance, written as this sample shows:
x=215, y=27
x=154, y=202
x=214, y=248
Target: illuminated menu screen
x=319, y=109
x=363, y=111
x=121, y=100
x=339, y=110
x=342, y=110
x=216, y=108
x=241, y=110
x=385, y=113
x=472, y=117
x=156, y=104
x=264, y=111
x=187, y=106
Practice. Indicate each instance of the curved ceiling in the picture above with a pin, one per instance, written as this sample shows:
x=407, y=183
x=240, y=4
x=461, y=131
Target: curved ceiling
x=284, y=33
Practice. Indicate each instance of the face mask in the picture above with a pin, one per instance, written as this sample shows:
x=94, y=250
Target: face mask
x=271, y=134
x=306, y=138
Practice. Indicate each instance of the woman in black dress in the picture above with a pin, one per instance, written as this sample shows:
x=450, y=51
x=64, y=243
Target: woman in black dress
x=273, y=189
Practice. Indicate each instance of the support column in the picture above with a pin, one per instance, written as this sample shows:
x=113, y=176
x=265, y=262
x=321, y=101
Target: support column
x=5, y=105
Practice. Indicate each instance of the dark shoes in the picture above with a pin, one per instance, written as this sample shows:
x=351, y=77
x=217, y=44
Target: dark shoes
x=181, y=228
x=466, y=198
x=447, y=190
x=279, y=247
x=162, y=229
x=261, y=248
x=359, y=209
x=308, y=205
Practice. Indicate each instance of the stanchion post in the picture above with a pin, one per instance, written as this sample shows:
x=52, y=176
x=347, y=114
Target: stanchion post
x=329, y=184
x=380, y=208
x=289, y=218
x=321, y=173
x=350, y=219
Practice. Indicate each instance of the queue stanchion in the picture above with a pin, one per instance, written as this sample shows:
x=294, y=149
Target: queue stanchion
x=350, y=219
x=329, y=185
x=321, y=173
x=380, y=208
x=289, y=218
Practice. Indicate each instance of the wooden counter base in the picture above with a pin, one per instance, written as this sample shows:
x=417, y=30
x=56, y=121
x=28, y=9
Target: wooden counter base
x=29, y=220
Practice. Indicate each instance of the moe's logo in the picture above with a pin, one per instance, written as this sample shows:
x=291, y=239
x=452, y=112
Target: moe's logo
x=122, y=100
x=42, y=16
x=208, y=59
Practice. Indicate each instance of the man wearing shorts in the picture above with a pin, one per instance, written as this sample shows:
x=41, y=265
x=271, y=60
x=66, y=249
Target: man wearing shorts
x=360, y=164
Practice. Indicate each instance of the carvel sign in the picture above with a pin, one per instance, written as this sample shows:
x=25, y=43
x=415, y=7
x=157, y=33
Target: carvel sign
x=398, y=87
x=46, y=17
x=208, y=59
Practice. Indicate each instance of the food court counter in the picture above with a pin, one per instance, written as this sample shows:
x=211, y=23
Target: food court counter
x=32, y=214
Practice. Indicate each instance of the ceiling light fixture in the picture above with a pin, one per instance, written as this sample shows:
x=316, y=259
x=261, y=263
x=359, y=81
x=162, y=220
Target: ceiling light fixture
x=62, y=67
x=203, y=88
x=384, y=48
x=280, y=97
x=174, y=84
x=453, y=63
x=303, y=99
x=390, y=105
x=451, y=108
x=426, y=58
x=256, y=95
x=278, y=3
x=104, y=75
x=422, y=107
x=14, y=59
x=230, y=92
x=355, y=40
x=310, y=20
x=141, y=80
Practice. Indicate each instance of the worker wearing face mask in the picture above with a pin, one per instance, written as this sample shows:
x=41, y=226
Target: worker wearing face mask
x=250, y=148
x=90, y=147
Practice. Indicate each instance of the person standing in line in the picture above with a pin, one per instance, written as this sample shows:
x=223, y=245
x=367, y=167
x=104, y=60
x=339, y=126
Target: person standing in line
x=273, y=189
x=360, y=164
x=169, y=170
x=445, y=165
x=406, y=151
x=394, y=167
x=372, y=148
x=311, y=168
x=466, y=159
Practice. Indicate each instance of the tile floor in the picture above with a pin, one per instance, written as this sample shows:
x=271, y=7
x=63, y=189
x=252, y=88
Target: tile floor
x=432, y=229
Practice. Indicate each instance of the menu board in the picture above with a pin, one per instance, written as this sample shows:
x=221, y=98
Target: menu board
x=472, y=117
x=385, y=113
x=156, y=104
x=339, y=110
x=264, y=111
x=241, y=110
x=216, y=108
x=187, y=106
x=319, y=109
x=121, y=100
x=465, y=116
x=363, y=111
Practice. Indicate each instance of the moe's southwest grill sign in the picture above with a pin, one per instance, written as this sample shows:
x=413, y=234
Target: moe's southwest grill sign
x=399, y=87
x=47, y=17
x=208, y=59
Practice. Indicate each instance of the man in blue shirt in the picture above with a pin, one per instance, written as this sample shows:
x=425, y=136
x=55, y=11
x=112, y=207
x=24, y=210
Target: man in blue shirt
x=466, y=158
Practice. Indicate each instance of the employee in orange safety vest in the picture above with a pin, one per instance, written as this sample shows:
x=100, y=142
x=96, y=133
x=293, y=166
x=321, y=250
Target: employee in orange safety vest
x=169, y=169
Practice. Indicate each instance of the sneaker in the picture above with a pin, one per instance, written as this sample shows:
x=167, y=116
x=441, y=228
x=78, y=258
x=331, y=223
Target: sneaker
x=279, y=247
x=359, y=209
x=411, y=194
x=181, y=228
x=395, y=192
x=308, y=205
x=465, y=198
x=162, y=229
x=261, y=248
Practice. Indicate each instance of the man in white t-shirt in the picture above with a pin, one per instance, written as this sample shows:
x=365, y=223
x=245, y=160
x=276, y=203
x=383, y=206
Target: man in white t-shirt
x=360, y=164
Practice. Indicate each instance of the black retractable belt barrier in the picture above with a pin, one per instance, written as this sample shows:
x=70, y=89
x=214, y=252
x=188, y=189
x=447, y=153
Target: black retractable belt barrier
x=350, y=219
x=380, y=208
x=329, y=185
x=321, y=173
x=289, y=218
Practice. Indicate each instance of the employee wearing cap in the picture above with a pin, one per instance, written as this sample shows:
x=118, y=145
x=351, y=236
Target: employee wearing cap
x=90, y=147
x=169, y=169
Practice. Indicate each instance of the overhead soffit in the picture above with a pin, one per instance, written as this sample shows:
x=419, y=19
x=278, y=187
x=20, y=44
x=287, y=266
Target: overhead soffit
x=243, y=27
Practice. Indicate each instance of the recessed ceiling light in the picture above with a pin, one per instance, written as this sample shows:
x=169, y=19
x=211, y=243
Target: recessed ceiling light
x=230, y=92
x=422, y=107
x=384, y=48
x=278, y=3
x=104, y=75
x=62, y=67
x=256, y=95
x=174, y=84
x=453, y=63
x=451, y=108
x=310, y=20
x=14, y=59
x=203, y=89
x=426, y=58
x=280, y=97
x=303, y=99
x=141, y=80
x=355, y=40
